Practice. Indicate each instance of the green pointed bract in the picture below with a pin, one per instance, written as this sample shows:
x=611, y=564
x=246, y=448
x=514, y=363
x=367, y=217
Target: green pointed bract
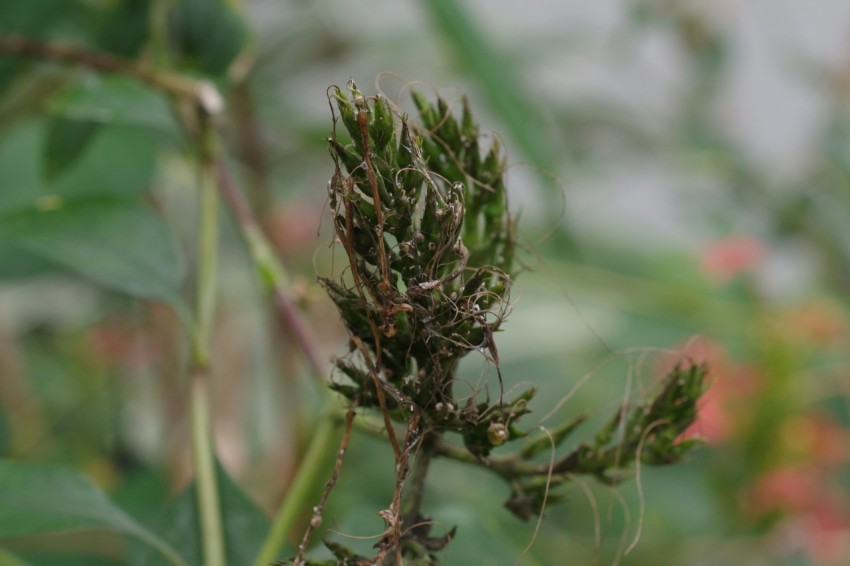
x=349, y=120
x=447, y=128
x=382, y=128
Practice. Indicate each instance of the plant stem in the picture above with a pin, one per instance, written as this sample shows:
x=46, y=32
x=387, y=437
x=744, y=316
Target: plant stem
x=203, y=93
x=205, y=289
x=412, y=502
x=209, y=508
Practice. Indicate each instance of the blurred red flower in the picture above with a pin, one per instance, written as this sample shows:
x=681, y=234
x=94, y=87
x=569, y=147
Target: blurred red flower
x=724, y=259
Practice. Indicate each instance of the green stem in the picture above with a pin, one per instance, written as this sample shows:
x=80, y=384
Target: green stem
x=311, y=474
x=322, y=447
x=412, y=502
x=202, y=93
x=203, y=456
x=205, y=289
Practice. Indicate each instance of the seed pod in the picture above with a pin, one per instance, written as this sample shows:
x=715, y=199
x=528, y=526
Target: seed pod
x=497, y=434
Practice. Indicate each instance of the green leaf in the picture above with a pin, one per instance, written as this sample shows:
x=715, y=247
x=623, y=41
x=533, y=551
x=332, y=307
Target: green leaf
x=10, y=69
x=244, y=526
x=66, y=140
x=17, y=264
x=20, y=151
x=30, y=19
x=114, y=100
x=122, y=27
x=207, y=34
x=35, y=20
x=37, y=499
x=121, y=160
x=120, y=244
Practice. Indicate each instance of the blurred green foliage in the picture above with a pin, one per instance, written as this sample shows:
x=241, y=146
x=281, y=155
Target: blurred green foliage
x=674, y=224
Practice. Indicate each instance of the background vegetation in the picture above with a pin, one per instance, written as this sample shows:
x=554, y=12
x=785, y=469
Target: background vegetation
x=682, y=176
